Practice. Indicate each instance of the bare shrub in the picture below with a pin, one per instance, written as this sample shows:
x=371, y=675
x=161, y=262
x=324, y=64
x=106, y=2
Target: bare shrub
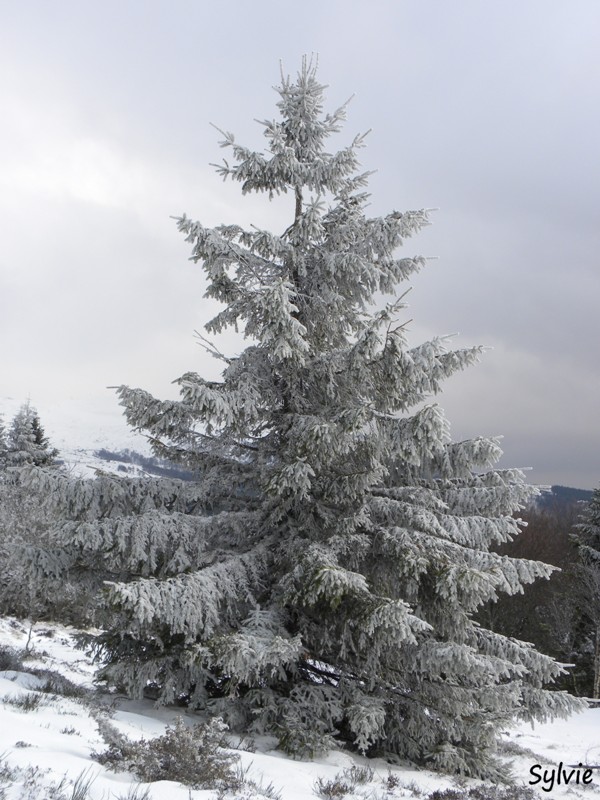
x=194, y=756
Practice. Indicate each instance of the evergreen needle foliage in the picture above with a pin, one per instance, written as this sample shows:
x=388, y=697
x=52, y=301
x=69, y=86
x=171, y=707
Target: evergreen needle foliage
x=27, y=568
x=588, y=539
x=26, y=441
x=319, y=578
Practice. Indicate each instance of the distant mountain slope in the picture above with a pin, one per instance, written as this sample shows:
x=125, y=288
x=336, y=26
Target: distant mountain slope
x=92, y=436
x=562, y=498
x=79, y=428
x=128, y=461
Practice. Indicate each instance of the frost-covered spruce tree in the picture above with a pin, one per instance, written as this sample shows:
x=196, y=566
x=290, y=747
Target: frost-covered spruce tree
x=320, y=577
x=32, y=580
x=27, y=441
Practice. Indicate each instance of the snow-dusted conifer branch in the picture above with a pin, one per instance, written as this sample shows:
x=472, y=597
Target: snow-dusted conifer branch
x=323, y=572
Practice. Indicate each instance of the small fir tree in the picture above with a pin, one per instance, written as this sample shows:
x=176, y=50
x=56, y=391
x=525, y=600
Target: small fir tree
x=27, y=442
x=320, y=577
x=32, y=576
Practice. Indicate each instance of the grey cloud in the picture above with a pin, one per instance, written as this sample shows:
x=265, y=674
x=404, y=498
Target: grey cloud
x=486, y=111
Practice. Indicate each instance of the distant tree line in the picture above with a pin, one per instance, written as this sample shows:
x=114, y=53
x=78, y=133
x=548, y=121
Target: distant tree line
x=150, y=464
x=560, y=616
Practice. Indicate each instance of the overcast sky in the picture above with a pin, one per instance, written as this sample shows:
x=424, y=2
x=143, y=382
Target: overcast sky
x=488, y=112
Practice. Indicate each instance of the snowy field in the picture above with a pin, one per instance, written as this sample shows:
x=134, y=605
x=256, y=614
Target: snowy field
x=57, y=737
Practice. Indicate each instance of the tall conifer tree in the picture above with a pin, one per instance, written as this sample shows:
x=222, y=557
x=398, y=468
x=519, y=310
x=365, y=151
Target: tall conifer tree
x=321, y=576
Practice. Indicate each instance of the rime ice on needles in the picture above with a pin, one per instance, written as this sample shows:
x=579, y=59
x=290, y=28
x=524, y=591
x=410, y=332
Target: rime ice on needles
x=26, y=442
x=321, y=575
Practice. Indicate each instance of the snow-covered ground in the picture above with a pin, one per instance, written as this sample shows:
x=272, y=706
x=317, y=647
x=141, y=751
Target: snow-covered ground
x=57, y=738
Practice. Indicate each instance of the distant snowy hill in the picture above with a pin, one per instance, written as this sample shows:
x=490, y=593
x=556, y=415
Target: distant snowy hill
x=91, y=436
x=562, y=498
